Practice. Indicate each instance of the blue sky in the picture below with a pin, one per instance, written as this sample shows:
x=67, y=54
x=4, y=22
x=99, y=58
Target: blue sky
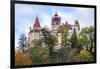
x=25, y=15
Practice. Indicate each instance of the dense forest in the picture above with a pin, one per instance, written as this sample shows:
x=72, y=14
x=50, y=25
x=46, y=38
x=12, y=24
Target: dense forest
x=74, y=49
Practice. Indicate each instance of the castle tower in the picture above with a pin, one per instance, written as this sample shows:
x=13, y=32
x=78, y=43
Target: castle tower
x=36, y=25
x=77, y=27
x=55, y=22
x=34, y=33
x=77, y=24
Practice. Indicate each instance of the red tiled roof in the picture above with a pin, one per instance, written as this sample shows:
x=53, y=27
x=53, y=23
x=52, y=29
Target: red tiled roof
x=56, y=19
x=36, y=25
x=37, y=30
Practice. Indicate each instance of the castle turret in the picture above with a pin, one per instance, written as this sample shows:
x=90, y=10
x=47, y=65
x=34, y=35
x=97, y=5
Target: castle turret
x=55, y=22
x=77, y=24
x=34, y=33
x=36, y=26
x=77, y=27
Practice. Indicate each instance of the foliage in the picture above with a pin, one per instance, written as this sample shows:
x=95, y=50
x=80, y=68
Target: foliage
x=22, y=41
x=51, y=43
x=83, y=37
x=85, y=55
x=42, y=55
x=87, y=37
x=65, y=35
x=74, y=39
x=22, y=59
x=50, y=40
x=37, y=42
x=39, y=55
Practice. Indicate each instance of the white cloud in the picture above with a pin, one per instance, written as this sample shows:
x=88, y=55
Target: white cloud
x=86, y=16
x=66, y=17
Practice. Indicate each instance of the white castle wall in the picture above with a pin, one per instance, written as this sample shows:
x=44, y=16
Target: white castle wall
x=59, y=38
x=33, y=36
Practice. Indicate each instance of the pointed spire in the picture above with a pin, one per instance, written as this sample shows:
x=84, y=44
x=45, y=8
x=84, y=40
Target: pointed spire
x=56, y=14
x=66, y=23
x=36, y=25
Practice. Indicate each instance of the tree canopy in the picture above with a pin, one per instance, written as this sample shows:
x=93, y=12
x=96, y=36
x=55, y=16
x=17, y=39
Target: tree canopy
x=22, y=41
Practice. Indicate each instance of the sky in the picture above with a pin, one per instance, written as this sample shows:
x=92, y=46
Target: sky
x=26, y=14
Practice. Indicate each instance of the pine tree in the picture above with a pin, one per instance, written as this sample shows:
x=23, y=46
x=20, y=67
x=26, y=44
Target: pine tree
x=22, y=42
x=74, y=39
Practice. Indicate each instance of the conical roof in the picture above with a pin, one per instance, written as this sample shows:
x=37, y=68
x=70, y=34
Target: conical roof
x=37, y=23
x=36, y=26
x=56, y=14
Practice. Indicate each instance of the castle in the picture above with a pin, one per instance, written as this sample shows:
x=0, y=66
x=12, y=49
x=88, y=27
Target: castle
x=35, y=32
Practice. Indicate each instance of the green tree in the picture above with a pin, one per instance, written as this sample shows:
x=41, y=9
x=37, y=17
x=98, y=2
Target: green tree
x=38, y=55
x=87, y=38
x=22, y=42
x=50, y=40
x=37, y=43
x=91, y=37
x=85, y=55
x=83, y=37
x=74, y=39
x=65, y=35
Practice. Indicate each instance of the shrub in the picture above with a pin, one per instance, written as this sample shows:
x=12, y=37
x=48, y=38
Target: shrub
x=85, y=55
x=39, y=55
x=22, y=59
